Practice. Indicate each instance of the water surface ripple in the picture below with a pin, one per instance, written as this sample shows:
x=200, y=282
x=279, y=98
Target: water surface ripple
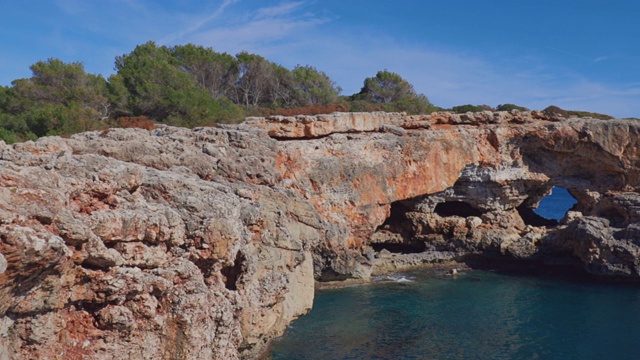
x=476, y=315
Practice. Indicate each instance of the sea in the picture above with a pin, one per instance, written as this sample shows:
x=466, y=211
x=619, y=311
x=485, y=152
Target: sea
x=430, y=314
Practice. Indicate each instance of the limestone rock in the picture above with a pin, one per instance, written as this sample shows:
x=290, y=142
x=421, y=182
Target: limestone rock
x=205, y=243
x=149, y=245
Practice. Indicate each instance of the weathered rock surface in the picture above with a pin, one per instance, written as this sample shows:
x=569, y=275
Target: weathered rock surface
x=204, y=244
x=151, y=244
x=468, y=184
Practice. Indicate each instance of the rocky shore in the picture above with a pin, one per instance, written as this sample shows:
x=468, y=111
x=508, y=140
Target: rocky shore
x=206, y=243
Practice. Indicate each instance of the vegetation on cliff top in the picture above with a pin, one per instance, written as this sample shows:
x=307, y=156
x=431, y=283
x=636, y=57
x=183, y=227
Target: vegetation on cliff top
x=189, y=85
x=550, y=111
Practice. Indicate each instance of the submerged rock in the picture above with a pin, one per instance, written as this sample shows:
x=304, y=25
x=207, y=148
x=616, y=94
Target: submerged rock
x=206, y=243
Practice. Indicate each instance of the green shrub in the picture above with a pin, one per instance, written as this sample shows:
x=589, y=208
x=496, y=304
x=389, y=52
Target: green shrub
x=461, y=109
x=583, y=114
x=509, y=107
x=555, y=111
x=8, y=136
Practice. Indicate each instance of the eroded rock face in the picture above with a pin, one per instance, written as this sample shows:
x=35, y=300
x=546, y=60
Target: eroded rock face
x=161, y=244
x=465, y=184
x=205, y=243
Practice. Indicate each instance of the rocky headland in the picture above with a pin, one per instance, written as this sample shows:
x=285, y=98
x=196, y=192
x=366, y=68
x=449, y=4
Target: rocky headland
x=206, y=243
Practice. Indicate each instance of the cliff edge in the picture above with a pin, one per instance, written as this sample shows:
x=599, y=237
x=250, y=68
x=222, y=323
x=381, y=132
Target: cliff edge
x=206, y=243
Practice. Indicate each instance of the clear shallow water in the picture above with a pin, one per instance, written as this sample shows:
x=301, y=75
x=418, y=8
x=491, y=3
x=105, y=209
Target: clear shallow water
x=476, y=315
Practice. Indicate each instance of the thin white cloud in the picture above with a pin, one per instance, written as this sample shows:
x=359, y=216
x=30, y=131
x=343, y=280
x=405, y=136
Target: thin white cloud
x=256, y=35
x=276, y=11
x=601, y=58
x=452, y=77
x=564, y=52
x=199, y=24
x=290, y=33
x=260, y=30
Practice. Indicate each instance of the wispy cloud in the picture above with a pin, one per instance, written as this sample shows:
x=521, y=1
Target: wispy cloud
x=199, y=23
x=452, y=77
x=564, y=52
x=448, y=76
x=601, y=58
x=301, y=32
x=276, y=11
x=260, y=30
x=579, y=56
x=255, y=36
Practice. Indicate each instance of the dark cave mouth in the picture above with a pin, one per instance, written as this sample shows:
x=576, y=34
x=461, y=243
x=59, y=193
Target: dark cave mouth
x=456, y=208
x=551, y=209
x=400, y=248
x=397, y=223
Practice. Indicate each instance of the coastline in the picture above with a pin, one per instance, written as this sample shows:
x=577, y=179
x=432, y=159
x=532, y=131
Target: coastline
x=147, y=237
x=397, y=317
x=390, y=269
x=565, y=271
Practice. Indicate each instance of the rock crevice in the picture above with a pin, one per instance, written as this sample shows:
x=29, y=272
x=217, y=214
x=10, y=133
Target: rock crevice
x=206, y=243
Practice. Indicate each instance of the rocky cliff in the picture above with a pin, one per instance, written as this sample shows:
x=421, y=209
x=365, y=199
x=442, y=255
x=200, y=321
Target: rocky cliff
x=175, y=243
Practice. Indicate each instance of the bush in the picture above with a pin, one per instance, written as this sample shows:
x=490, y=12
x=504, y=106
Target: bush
x=412, y=105
x=365, y=106
x=461, y=109
x=388, y=91
x=8, y=136
x=583, y=114
x=555, y=111
x=509, y=107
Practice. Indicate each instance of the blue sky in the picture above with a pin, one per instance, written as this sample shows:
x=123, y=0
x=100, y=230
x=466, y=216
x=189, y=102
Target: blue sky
x=579, y=55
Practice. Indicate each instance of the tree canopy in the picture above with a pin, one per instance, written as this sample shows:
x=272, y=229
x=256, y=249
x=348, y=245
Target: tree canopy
x=185, y=85
x=313, y=87
x=152, y=81
x=394, y=93
x=59, y=98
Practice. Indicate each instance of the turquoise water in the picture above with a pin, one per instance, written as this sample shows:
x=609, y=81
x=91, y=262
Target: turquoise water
x=476, y=315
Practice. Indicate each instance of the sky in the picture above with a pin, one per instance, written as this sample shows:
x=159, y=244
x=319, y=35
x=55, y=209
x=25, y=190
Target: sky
x=575, y=54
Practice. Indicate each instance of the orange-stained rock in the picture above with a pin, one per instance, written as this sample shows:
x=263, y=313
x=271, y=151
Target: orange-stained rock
x=205, y=243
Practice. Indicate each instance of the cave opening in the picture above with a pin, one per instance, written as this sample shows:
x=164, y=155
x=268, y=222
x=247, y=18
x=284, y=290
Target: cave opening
x=396, y=234
x=456, y=208
x=397, y=215
x=556, y=205
x=400, y=248
x=550, y=210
